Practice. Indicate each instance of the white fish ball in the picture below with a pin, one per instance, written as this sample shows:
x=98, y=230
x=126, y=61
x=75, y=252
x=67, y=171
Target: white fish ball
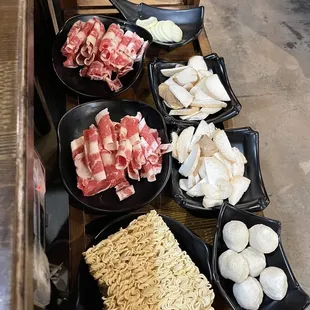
x=236, y=235
x=233, y=266
x=274, y=283
x=263, y=239
x=249, y=294
x=255, y=260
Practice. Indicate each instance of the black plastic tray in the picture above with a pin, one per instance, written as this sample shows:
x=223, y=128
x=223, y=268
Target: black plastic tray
x=190, y=20
x=88, y=295
x=71, y=126
x=213, y=62
x=254, y=199
x=85, y=86
x=295, y=299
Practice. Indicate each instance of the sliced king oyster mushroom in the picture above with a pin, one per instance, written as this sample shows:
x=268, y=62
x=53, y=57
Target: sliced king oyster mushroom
x=169, y=99
x=203, y=129
x=203, y=73
x=170, y=82
x=172, y=71
x=207, y=146
x=240, y=186
x=183, y=183
x=200, y=95
x=199, y=116
x=192, y=180
x=181, y=94
x=188, y=86
x=221, y=190
x=223, y=144
x=215, y=88
x=197, y=191
x=210, y=110
x=240, y=157
x=181, y=112
x=199, y=87
x=210, y=203
x=189, y=75
x=215, y=170
x=225, y=161
x=202, y=169
x=185, y=117
x=190, y=162
x=197, y=62
x=184, y=142
x=174, y=141
x=211, y=103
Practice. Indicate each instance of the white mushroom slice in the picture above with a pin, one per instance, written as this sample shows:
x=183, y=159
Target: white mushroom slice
x=211, y=103
x=226, y=162
x=221, y=190
x=239, y=156
x=181, y=94
x=190, y=162
x=192, y=180
x=183, y=183
x=199, y=116
x=203, y=73
x=172, y=71
x=170, y=82
x=199, y=87
x=210, y=110
x=237, y=169
x=215, y=88
x=207, y=146
x=184, y=142
x=189, y=111
x=240, y=186
x=202, y=169
x=174, y=141
x=210, y=203
x=188, y=86
x=200, y=95
x=180, y=65
x=203, y=129
x=147, y=23
x=215, y=170
x=189, y=75
x=197, y=62
x=223, y=144
x=197, y=191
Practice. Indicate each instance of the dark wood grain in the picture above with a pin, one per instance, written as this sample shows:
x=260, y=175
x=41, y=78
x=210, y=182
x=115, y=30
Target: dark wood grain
x=16, y=154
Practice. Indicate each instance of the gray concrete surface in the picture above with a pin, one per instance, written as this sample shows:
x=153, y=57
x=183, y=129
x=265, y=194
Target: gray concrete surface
x=266, y=46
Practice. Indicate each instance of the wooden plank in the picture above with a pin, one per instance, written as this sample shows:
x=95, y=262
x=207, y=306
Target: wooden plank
x=107, y=3
x=204, y=43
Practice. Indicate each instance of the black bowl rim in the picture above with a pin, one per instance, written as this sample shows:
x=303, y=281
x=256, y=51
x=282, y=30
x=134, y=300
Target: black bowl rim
x=116, y=20
x=137, y=214
x=87, y=206
x=216, y=276
x=170, y=120
x=258, y=204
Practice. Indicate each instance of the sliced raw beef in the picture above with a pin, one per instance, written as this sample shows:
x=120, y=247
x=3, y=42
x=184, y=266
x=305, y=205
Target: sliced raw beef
x=146, y=133
x=134, y=46
x=125, y=192
x=123, y=155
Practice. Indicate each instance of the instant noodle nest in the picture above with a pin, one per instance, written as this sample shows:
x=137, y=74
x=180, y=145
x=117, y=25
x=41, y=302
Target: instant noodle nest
x=143, y=267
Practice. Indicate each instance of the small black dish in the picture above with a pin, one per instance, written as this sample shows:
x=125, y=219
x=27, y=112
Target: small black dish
x=296, y=298
x=254, y=199
x=88, y=295
x=190, y=20
x=85, y=86
x=213, y=62
x=71, y=126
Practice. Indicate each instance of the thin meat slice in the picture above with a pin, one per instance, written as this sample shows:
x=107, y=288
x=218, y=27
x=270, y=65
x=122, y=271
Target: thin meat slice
x=148, y=172
x=148, y=152
x=125, y=41
x=158, y=166
x=77, y=146
x=138, y=156
x=132, y=172
x=91, y=187
x=76, y=27
x=131, y=123
x=105, y=127
x=141, y=51
x=92, y=153
x=98, y=71
x=165, y=148
x=134, y=46
x=80, y=59
x=83, y=71
x=115, y=85
x=125, y=192
x=145, y=132
x=70, y=62
x=123, y=155
x=81, y=168
x=78, y=39
x=121, y=62
x=123, y=184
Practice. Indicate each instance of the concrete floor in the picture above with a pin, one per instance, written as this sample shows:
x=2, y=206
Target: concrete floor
x=266, y=46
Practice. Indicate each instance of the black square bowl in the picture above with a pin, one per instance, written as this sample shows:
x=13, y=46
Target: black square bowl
x=88, y=295
x=71, y=126
x=85, y=86
x=295, y=299
x=213, y=62
x=254, y=199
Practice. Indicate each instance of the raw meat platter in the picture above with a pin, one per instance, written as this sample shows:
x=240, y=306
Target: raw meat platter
x=99, y=56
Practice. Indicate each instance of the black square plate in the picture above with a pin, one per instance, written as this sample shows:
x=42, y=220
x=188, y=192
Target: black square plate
x=254, y=199
x=213, y=62
x=71, y=126
x=295, y=299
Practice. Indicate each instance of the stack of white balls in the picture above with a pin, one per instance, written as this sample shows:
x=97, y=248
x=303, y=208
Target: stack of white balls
x=242, y=265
